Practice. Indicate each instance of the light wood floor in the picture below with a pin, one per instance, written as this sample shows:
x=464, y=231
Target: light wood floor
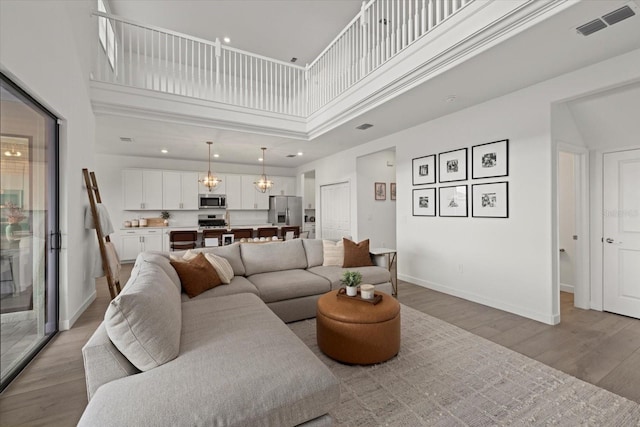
x=600, y=348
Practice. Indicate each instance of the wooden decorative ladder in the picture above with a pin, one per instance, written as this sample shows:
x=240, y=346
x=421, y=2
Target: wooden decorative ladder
x=94, y=197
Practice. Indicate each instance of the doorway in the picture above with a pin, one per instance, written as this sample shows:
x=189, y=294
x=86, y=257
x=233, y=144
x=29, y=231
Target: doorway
x=29, y=239
x=335, y=211
x=573, y=226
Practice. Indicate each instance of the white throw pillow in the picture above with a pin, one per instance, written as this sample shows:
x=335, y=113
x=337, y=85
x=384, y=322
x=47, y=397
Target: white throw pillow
x=145, y=320
x=222, y=267
x=333, y=253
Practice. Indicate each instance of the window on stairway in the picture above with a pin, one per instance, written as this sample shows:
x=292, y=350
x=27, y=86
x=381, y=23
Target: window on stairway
x=107, y=36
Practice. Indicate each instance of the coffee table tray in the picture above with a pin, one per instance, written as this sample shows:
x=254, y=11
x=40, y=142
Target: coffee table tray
x=342, y=293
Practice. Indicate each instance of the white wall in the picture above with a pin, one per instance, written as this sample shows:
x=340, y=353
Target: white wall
x=45, y=47
x=376, y=218
x=566, y=218
x=511, y=263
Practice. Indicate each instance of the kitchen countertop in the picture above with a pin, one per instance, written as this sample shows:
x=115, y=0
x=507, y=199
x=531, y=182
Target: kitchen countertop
x=195, y=227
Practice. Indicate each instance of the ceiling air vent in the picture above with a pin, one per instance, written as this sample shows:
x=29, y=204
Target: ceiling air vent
x=591, y=27
x=126, y=139
x=364, y=126
x=291, y=155
x=618, y=15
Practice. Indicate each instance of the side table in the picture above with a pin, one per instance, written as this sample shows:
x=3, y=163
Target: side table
x=390, y=256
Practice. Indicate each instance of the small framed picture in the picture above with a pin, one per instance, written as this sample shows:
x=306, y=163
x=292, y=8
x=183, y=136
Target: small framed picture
x=453, y=201
x=380, y=190
x=424, y=170
x=490, y=160
x=452, y=165
x=392, y=190
x=424, y=202
x=227, y=239
x=490, y=200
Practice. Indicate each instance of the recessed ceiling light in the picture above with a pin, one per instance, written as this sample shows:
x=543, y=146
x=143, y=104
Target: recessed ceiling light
x=216, y=155
x=164, y=151
x=299, y=153
x=260, y=159
x=227, y=40
x=450, y=98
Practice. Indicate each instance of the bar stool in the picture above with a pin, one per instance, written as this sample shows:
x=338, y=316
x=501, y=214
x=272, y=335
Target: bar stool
x=267, y=231
x=242, y=233
x=289, y=228
x=181, y=240
x=209, y=235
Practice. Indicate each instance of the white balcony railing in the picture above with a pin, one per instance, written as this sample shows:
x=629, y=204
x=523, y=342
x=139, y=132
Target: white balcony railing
x=145, y=57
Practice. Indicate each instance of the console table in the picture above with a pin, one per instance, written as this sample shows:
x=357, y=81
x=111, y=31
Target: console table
x=390, y=257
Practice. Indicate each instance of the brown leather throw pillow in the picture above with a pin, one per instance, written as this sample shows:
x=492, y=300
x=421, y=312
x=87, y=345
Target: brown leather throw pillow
x=356, y=254
x=196, y=275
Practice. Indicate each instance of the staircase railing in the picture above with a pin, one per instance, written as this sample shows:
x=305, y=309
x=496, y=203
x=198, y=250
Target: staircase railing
x=141, y=56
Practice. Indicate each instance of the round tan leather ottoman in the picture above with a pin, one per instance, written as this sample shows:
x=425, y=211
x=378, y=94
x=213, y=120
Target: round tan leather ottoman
x=357, y=332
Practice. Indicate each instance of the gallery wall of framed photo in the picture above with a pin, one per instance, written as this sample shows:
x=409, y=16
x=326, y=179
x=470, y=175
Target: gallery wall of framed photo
x=488, y=198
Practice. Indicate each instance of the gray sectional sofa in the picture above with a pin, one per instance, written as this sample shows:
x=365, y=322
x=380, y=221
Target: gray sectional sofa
x=224, y=357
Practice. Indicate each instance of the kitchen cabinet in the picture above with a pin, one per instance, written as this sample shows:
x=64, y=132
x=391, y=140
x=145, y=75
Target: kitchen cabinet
x=221, y=188
x=283, y=186
x=180, y=190
x=132, y=242
x=142, y=189
x=253, y=199
x=234, y=192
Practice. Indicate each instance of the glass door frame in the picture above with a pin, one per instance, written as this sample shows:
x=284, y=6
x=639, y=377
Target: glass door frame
x=52, y=243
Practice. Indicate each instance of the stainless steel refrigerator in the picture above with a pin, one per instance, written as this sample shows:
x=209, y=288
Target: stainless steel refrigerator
x=285, y=210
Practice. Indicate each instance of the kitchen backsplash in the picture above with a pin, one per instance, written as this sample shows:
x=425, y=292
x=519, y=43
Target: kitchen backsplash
x=190, y=218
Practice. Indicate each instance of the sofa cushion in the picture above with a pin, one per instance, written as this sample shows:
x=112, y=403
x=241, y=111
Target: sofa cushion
x=313, y=249
x=282, y=285
x=145, y=320
x=230, y=252
x=372, y=275
x=161, y=260
x=239, y=365
x=196, y=275
x=222, y=267
x=332, y=253
x=356, y=254
x=238, y=285
x=276, y=256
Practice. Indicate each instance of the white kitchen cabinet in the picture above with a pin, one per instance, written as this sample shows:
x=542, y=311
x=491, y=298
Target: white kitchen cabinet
x=132, y=242
x=283, y=186
x=180, y=190
x=253, y=199
x=142, y=189
x=221, y=188
x=234, y=192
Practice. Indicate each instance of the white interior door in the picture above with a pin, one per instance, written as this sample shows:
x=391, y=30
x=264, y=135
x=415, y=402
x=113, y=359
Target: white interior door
x=335, y=209
x=622, y=233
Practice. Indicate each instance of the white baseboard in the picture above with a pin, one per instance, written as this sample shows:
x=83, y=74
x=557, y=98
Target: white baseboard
x=566, y=288
x=550, y=319
x=66, y=324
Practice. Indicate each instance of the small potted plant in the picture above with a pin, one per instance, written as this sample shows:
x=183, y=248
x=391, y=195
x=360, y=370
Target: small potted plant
x=165, y=215
x=351, y=280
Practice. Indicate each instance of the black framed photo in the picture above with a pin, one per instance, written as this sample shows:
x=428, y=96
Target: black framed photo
x=490, y=200
x=424, y=170
x=424, y=202
x=453, y=201
x=490, y=160
x=452, y=165
x=227, y=239
x=380, y=190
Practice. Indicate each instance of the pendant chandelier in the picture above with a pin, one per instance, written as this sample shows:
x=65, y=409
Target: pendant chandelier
x=210, y=181
x=263, y=183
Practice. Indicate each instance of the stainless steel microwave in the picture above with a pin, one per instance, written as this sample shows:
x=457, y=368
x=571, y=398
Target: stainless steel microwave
x=212, y=201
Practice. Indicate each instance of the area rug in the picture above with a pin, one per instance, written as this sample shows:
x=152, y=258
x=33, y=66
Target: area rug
x=446, y=376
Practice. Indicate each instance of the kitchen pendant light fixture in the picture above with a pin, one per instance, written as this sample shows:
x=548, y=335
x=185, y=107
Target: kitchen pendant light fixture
x=263, y=183
x=210, y=181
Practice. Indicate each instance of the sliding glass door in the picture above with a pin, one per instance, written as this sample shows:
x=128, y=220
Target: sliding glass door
x=28, y=228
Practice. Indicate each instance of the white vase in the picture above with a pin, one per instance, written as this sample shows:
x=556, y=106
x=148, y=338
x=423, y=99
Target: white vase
x=352, y=291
